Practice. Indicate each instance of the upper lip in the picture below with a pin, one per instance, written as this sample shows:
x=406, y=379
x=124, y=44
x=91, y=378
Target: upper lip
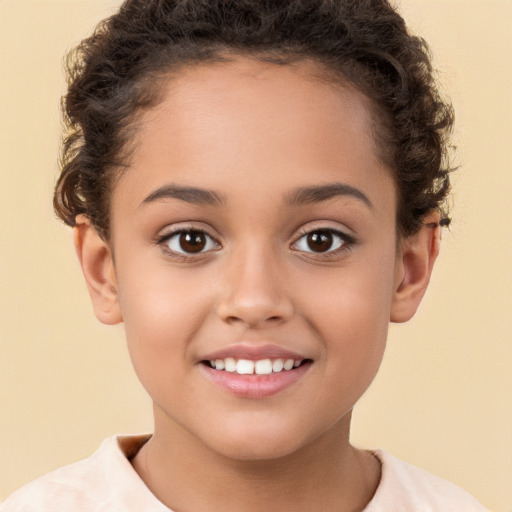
x=253, y=352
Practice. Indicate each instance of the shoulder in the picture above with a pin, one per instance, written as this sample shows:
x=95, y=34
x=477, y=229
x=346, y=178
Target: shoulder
x=406, y=488
x=69, y=485
x=105, y=481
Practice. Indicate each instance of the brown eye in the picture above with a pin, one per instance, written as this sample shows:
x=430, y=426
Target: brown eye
x=190, y=242
x=323, y=241
x=320, y=241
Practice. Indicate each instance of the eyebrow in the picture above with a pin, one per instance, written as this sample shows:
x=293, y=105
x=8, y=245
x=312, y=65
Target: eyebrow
x=319, y=193
x=191, y=195
x=300, y=196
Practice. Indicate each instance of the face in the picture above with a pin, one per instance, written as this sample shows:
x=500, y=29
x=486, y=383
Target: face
x=255, y=229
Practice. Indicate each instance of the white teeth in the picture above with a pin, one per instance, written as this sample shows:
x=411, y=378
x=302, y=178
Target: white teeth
x=244, y=367
x=263, y=367
x=259, y=367
x=230, y=364
x=277, y=365
x=288, y=364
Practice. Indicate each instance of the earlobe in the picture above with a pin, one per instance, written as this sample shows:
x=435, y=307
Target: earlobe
x=414, y=267
x=97, y=265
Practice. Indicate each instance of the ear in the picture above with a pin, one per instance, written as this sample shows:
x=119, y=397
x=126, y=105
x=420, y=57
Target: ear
x=415, y=262
x=98, y=267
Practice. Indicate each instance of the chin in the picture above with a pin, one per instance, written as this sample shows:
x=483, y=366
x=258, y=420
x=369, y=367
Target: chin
x=255, y=451
x=257, y=441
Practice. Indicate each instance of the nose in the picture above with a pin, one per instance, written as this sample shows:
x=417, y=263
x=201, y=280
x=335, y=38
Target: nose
x=254, y=291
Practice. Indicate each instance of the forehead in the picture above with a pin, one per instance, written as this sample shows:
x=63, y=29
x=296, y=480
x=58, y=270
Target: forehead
x=244, y=120
x=246, y=92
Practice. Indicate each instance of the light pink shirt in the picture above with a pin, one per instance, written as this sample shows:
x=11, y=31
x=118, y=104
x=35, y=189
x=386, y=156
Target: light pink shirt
x=106, y=481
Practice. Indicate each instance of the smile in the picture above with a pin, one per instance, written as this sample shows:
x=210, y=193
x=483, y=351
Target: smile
x=255, y=371
x=250, y=367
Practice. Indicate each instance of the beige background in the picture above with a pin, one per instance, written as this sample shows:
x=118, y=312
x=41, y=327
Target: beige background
x=443, y=399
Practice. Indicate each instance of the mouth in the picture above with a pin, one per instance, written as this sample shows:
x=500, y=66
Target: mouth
x=250, y=372
x=265, y=366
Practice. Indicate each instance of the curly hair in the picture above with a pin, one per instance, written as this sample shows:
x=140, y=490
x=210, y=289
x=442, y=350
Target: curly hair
x=115, y=73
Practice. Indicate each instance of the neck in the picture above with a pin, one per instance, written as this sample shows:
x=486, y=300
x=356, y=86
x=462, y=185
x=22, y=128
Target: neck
x=326, y=475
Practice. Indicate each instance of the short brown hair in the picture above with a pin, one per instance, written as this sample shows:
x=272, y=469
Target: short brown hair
x=111, y=76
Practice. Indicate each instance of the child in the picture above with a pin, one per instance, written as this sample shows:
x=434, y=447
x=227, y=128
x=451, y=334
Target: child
x=256, y=189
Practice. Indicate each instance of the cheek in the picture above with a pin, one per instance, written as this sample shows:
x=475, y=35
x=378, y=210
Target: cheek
x=350, y=310
x=354, y=300
x=162, y=312
x=354, y=330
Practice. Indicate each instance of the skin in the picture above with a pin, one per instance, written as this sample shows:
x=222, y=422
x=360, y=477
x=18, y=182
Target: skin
x=253, y=133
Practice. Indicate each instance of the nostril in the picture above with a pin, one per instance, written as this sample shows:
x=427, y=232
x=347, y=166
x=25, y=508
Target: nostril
x=255, y=310
x=253, y=319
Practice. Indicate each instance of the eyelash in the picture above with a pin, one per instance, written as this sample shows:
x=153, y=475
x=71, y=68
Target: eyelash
x=165, y=240
x=344, y=243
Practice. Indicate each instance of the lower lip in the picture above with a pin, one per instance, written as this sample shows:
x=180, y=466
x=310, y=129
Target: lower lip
x=256, y=386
